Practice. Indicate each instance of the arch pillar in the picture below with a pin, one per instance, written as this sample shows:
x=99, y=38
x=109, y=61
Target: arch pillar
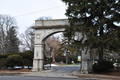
x=86, y=62
x=38, y=57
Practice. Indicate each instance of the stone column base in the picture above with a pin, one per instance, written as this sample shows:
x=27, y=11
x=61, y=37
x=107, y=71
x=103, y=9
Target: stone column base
x=84, y=67
x=37, y=65
x=34, y=69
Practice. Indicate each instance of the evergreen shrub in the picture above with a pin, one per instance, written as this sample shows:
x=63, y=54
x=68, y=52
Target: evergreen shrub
x=2, y=62
x=102, y=66
x=13, y=60
x=4, y=55
x=27, y=54
x=16, y=59
x=27, y=62
x=27, y=58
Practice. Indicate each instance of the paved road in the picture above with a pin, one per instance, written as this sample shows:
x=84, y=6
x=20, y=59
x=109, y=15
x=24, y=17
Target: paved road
x=40, y=78
x=67, y=69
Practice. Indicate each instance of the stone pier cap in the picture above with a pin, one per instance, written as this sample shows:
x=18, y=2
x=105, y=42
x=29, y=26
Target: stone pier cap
x=55, y=23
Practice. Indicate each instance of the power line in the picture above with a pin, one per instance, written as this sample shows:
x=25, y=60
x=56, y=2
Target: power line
x=38, y=11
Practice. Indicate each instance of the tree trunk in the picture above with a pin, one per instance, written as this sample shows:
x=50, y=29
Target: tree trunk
x=66, y=59
x=101, y=54
x=100, y=44
x=53, y=56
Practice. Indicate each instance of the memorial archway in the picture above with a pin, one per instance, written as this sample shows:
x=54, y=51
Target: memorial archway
x=45, y=28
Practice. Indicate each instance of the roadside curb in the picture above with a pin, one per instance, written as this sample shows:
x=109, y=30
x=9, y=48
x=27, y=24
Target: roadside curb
x=96, y=76
x=53, y=77
x=52, y=74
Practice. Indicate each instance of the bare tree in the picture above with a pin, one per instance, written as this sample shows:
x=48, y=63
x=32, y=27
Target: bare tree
x=1, y=49
x=52, y=43
x=6, y=22
x=27, y=39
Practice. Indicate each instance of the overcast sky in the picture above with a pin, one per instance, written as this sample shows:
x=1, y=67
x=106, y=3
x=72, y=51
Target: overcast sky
x=27, y=11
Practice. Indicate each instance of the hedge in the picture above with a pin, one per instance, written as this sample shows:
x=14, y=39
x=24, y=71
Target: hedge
x=2, y=62
x=27, y=54
x=102, y=66
x=13, y=60
x=27, y=62
x=27, y=59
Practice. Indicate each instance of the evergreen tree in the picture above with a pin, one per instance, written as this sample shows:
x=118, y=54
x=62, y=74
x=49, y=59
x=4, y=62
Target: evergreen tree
x=12, y=41
x=6, y=22
x=99, y=19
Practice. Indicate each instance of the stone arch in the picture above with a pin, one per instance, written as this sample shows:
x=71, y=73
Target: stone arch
x=43, y=29
x=50, y=35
